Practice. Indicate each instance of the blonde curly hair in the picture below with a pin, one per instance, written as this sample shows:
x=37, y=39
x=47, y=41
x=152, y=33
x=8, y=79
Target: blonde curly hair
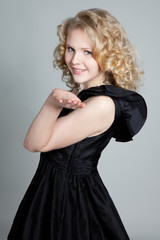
x=111, y=48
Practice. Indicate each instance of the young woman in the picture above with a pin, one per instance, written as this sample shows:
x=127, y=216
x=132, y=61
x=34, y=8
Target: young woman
x=67, y=199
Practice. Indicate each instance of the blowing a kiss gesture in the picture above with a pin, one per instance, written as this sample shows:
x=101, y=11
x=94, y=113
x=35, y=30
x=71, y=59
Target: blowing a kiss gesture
x=66, y=99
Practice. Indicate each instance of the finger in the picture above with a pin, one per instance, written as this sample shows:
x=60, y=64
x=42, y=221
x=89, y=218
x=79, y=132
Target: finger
x=79, y=105
x=60, y=100
x=68, y=100
x=75, y=102
x=71, y=102
x=70, y=106
x=82, y=105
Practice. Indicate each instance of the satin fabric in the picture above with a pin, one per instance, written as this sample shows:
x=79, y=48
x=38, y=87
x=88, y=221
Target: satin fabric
x=67, y=199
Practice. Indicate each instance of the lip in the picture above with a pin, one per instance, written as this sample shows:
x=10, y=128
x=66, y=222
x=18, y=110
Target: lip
x=78, y=70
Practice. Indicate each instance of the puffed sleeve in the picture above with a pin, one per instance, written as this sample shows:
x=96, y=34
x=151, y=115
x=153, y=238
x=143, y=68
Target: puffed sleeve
x=130, y=110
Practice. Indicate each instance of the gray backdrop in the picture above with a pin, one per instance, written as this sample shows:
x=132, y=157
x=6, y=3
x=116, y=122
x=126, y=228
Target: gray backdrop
x=130, y=171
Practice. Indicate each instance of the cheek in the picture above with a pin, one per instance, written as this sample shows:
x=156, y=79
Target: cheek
x=66, y=58
x=94, y=65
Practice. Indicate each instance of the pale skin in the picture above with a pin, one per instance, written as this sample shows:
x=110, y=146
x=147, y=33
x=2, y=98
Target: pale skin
x=89, y=118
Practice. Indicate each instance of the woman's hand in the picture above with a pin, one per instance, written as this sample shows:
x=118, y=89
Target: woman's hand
x=44, y=123
x=67, y=99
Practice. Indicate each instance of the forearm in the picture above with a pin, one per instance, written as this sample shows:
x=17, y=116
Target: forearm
x=42, y=126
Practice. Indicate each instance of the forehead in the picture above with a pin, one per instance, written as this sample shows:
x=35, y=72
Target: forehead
x=79, y=37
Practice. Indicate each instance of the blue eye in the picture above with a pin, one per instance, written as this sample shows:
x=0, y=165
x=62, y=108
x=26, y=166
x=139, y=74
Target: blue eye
x=70, y=49
x=88, y=53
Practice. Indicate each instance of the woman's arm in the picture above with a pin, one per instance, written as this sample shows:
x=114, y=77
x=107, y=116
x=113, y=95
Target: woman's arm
x=43, y=125
x=48, y=132
x=96, y=117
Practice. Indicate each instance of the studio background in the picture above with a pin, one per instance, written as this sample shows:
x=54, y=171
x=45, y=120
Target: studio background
x=130, y=171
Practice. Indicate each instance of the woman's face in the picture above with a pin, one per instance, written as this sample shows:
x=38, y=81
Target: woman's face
x=78, y=57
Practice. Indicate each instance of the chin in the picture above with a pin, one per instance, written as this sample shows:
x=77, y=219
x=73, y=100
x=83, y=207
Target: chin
x=78, y=81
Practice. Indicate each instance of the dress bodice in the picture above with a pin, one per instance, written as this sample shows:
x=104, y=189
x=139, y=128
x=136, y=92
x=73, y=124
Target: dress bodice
x=130, y=115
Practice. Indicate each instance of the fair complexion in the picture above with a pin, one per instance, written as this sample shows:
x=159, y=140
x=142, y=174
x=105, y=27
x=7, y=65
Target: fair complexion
x=80, y=61
x=47, y=131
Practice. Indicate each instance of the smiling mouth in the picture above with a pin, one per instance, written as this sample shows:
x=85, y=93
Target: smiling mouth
x=77, y=70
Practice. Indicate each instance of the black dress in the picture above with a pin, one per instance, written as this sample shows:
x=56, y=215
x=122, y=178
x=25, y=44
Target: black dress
x=67, y=199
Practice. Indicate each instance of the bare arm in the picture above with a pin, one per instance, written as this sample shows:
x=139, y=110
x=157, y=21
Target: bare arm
x=96, y=117
x=42, y=126
x=47, y=132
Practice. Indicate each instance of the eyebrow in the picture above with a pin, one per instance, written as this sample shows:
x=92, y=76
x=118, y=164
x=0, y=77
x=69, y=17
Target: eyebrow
x=86, y=48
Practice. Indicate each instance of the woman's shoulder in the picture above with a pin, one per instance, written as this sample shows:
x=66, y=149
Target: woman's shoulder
x=109, y=90
x=130, y=109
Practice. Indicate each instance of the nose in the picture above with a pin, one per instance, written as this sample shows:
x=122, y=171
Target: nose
x=76, y=58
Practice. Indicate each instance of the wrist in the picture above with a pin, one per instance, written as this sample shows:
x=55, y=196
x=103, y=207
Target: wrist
x=51, y=102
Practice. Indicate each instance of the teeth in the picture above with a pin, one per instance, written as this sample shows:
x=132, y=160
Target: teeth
x=78, y=70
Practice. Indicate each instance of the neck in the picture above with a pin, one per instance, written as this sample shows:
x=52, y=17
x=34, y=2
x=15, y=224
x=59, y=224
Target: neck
x=83, y=87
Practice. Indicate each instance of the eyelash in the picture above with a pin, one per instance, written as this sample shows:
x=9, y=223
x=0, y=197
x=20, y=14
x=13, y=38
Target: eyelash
x=70, y=49
x=88, y=53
